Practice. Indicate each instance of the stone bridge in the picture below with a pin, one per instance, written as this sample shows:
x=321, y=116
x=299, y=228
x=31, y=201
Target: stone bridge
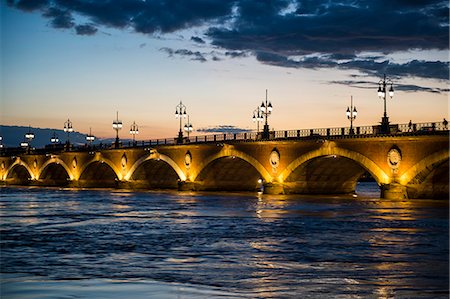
x=403, y=166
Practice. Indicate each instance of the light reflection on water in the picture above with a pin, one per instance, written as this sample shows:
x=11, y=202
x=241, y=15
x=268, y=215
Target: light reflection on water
x=194, y=245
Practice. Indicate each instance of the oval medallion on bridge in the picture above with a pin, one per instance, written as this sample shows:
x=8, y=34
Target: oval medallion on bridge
x=188, y=159
x=35, y=163
x=124, y=161
x=394, y=158
x=274, y=158
x=74, y=162
x=3, y=165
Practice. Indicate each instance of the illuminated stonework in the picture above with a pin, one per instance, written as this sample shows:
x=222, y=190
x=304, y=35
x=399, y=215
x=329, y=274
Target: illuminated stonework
x=394, y=157
x=274, y=159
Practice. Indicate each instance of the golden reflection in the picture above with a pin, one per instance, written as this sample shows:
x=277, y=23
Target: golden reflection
x=270, y=209
x=120, y=207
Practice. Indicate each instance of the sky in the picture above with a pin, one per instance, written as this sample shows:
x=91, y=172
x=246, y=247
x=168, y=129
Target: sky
x=85, y=60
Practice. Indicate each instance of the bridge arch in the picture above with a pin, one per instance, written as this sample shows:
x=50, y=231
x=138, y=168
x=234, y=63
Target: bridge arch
x=156, y=157
x=314, y=173
x=425, y=165
x=375, y=171
x=99, y=172
x=56, y=161
x=229, y=169
x=231, y=152
x=20, y=171
x=155, y=171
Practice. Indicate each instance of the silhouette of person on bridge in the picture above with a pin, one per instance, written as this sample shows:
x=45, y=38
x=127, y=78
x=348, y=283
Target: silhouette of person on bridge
x=445, y=123
x=410, y=125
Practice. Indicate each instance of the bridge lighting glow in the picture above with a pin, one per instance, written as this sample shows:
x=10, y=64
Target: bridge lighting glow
x=54, y=138
x=29, y=136
x=188, y=127
x=180, y=112
x=257, y=117
x=117, y=126
x=266, y=109
x=90, y=138
x=69, y=129
x=134, y=130
x=382, y=91
x=351, y=115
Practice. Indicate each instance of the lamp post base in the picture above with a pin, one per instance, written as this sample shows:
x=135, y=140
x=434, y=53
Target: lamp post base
x=180, y=137
x=117, y=143
x=265, y=133
x=384, y=129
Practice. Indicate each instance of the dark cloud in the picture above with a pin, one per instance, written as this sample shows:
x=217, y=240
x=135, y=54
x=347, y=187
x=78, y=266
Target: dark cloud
x=236, y=54
x=28, y=5
x=286, y=33
x=192, y=55
x=86, y=29
x=370, y=66
x=403, y=87
x=197, y=39
x=59, y=18
x=223, y=129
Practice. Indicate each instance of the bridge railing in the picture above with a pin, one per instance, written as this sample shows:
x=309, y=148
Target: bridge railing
x=337, y=132
x=359, y=131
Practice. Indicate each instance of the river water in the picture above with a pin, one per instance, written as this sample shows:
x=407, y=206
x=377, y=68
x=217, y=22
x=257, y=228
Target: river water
x=71, y=243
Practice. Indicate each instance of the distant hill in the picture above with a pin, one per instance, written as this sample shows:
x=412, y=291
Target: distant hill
x=14, y=135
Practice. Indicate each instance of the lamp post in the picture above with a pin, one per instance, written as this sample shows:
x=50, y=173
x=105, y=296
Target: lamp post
x=257, y=117
x=117, y=126
x=351, y=115
x=266, y=109
x=134, y=130
x=1, y=142
x=54, y=139
x=188, y=127
x=29, y=136
x=180, y=113
x=90, y=138
x=69, y=129
x=382, y=93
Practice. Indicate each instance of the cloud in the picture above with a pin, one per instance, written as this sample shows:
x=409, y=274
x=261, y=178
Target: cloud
x=197, y=39
x=223, y=129
x=287, y=33
x=59, y=18
x=85, y=29
x=193, y=55
x=370, y=66
x=403, y=87
x=236, y=54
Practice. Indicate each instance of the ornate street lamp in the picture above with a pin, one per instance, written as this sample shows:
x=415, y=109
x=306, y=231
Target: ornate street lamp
x=1, y=141
x=188, y=127
x=117, y=126
x=69, y=129
x=90, y=138
x=29, y=136
x=257, y=117
x=134, y=130
x=180, y=113
x=351, y=115
x=54, y=139
x=266, y=109
x=382, y=93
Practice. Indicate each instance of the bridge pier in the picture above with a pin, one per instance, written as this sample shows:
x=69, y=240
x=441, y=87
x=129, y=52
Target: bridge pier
x=393, y=191
x=273, y=188
x=186, y=186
